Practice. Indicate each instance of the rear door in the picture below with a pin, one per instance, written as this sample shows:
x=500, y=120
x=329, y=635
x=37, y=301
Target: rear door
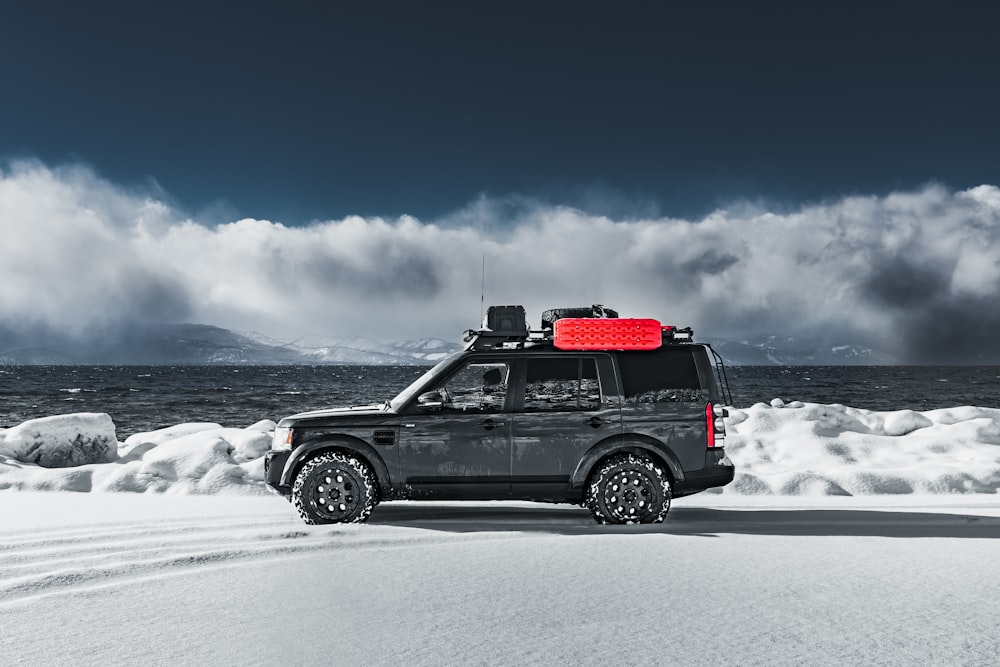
x=564, y=404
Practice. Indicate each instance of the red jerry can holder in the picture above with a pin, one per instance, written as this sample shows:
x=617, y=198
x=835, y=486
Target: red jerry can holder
x=585, y=333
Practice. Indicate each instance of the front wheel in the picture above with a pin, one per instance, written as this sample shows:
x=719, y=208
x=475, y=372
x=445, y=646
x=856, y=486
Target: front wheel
x=628, y=488
x=335, y=488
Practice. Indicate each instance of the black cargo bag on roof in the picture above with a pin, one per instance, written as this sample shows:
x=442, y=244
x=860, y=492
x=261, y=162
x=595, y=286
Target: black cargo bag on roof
x=508, y=320
x=553, y=314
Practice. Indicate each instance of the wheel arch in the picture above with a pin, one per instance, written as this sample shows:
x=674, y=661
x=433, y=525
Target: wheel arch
x=636, y=444
x=337, y=443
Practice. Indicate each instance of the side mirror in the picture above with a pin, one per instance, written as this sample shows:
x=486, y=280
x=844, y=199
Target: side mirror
x=430, y=400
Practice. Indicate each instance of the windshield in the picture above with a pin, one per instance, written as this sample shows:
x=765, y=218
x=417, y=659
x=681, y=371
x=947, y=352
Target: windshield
x=407, y=394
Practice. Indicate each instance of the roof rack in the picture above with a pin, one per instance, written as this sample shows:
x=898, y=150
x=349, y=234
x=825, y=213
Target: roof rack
x=487, y=339
x=509, y=332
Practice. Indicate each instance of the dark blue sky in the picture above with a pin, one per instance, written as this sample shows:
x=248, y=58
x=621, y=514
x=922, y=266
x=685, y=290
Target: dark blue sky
x=317, y=109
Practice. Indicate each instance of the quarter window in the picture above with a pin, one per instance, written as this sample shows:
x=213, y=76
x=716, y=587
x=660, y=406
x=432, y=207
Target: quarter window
x=667, y=375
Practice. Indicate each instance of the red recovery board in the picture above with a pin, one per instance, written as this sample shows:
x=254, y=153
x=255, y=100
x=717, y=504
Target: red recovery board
x=616, y=333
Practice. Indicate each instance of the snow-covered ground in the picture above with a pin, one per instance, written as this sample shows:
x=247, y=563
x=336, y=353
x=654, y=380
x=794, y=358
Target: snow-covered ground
x=783, y=567
x=95, y=579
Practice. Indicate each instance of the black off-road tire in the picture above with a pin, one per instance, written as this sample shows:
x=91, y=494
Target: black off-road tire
x=335, y=488
x=628, y=488
x=550, y=316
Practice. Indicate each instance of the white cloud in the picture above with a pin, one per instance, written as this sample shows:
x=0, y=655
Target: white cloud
x=80, y=254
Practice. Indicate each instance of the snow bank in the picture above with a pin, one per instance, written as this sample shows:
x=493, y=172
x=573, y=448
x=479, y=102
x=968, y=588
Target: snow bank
x=816, y=449
x=779, y=449
x=194, y=458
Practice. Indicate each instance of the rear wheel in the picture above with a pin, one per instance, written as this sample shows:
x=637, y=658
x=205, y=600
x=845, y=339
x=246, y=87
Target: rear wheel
x=335, y=488
x=628, y=488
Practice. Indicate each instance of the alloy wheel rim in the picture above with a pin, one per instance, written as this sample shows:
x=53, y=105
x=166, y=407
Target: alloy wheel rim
x=335, y=492
x=629, y=495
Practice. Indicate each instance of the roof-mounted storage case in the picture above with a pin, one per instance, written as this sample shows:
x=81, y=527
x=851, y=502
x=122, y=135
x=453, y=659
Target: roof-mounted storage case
x=506, y=320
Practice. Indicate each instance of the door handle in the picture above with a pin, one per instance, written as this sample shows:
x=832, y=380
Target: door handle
x=490, y=424
x=594, y=421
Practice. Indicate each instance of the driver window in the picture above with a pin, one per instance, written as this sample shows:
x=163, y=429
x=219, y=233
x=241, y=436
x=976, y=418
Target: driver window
x=479, y=387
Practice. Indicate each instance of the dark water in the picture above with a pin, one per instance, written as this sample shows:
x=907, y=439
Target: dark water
x=142, y=398
x=869, y=387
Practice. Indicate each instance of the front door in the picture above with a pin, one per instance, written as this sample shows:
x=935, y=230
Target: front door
x=455, y=441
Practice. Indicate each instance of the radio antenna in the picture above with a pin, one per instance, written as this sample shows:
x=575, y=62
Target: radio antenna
x=482, y=292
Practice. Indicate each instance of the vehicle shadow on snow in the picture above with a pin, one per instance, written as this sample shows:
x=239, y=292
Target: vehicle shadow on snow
x=567, y=520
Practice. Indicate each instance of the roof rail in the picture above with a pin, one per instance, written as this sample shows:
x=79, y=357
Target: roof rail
x=487, y=339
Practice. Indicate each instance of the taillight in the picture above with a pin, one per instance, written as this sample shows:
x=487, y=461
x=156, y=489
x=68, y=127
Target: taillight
x=710, y=424
x=714, y=424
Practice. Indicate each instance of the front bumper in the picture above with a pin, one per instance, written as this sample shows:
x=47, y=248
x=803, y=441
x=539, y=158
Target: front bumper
x=274, y=466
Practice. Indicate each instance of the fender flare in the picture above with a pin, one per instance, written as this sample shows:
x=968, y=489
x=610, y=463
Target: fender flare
x=634, y=443
x=328, y=443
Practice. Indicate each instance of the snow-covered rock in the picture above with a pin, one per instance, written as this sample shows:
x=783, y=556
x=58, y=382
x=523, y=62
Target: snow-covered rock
x=62, y=441
x=169, y=433
x=243, y=444
x=200, y=457
x=200, y=462
x=192, y=458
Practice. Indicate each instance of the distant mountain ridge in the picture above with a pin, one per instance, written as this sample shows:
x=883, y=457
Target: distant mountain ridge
x=201, y=344
x=359, y=350
x=779, y=350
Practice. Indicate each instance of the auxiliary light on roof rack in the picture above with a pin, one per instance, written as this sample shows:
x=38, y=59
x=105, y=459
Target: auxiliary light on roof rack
x=671, y=333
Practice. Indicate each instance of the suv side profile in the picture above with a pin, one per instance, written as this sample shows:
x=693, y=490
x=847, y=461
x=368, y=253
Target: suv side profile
x=618, y=415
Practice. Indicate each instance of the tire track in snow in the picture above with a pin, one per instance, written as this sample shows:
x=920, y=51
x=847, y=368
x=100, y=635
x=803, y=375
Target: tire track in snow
x=41, y=542
x=37, y=563
x=43, y=555
x=40, y=563
x=17, y=538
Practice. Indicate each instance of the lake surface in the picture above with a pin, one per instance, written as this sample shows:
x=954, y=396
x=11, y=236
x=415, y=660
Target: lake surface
x=143, y=398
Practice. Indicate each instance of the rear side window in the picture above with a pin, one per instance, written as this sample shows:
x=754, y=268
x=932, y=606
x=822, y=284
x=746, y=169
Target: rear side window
x=559, y=384
x=666, y=375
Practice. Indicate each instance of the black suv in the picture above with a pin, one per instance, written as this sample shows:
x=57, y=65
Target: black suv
x=617, y=414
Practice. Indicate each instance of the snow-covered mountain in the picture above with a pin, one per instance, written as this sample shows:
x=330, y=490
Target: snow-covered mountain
x=778, y=350
x=312, y=349
x=178, y=344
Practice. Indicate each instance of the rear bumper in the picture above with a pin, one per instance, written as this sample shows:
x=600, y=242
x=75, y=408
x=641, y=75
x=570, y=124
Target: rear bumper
x=274, y=465
x=718, y=471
